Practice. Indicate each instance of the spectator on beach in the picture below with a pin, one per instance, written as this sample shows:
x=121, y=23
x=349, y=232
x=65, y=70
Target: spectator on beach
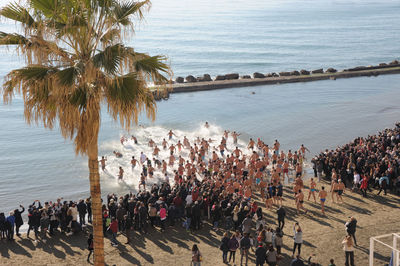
x=82, y=210
x=18, y=219
x=297, y=261
x=10, y=224
x=298, y=238
x=351, y=226
x=281, y=217
x=90, y=246
x=233, y=245
x=244, y=245
x=196, y=256
x=224, y=247
x=261, y=255
x=113, y=228
x=3, y=229
x=349, y=250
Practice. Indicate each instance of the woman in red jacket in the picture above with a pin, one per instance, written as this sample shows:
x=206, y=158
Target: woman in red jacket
x=364, y=185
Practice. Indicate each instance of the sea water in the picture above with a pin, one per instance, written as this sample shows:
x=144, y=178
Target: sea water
x=218, y=37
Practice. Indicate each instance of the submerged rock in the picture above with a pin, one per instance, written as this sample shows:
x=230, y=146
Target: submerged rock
x=258, y=75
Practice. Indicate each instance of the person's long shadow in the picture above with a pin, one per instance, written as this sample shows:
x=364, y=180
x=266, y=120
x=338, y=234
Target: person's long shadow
x=356, y=208
x=15, y=248
x=144, y=255
x=124, y=253
x=376, y=255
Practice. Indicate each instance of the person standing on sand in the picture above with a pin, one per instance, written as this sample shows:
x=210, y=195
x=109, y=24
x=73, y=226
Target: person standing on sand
x=18, y=219
x=298, y=238
x=281, y=217
x=349, y=250
x=261, y=255
x=244, y=248
x=322, y=197
x=90, y=246
x=351, y=226
x=300, y=201
x=233, y=245
x=312, y=190
x=224, y=247
x=196, y=256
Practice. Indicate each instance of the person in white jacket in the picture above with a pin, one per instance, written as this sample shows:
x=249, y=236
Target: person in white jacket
x=298, y=238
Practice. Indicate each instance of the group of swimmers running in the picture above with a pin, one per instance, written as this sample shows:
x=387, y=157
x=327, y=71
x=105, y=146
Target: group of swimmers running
x=256, y=167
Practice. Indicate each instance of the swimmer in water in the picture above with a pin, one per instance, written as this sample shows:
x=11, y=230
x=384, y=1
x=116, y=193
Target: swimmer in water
x=133, y=162
x=117, y=154
x=170, y=134
x=103, y=163
x=121, y=173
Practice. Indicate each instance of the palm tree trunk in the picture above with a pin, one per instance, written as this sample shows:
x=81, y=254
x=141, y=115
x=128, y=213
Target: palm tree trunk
x=95, y=193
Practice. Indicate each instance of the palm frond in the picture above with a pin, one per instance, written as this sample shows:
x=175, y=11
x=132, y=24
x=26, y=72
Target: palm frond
x=126, y=97
x=124, y=10
x=17, y=13
x=13, y=39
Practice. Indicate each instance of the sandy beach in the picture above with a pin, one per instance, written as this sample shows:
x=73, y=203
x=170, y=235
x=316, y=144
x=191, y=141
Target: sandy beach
x=322, y=236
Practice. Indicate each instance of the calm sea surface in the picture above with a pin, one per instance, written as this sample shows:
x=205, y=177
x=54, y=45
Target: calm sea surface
x=218, y=38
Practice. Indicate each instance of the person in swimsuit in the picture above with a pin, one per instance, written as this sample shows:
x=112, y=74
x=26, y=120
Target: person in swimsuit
x=335, y=190
x=312, y=190
x=341, y=189
x=300, y=201
x=142, y=181
x=322, y=197
x=133, y=162
x=121, y=173
x=170, y=134
x=103, y=163
x=279, y=194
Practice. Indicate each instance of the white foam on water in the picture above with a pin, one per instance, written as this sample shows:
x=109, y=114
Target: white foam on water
x=143, y=134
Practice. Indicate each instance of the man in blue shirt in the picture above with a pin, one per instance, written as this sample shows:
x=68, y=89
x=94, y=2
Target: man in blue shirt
x=10, y=223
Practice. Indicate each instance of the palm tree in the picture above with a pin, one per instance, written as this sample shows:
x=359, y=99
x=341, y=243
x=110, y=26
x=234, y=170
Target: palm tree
x=75, y=63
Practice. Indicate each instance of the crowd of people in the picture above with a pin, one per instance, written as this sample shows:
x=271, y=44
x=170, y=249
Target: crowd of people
x=368, y=162
x=218, y=185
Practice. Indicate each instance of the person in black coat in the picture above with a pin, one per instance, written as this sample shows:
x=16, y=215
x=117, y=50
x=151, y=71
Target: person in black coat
x=18, y=219
x=261, y=255
x=224, y=247
x=82, y=210
x=281, y=217
x=351, y=228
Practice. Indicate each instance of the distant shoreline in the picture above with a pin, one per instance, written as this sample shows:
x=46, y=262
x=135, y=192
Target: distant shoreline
x=283, y=77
